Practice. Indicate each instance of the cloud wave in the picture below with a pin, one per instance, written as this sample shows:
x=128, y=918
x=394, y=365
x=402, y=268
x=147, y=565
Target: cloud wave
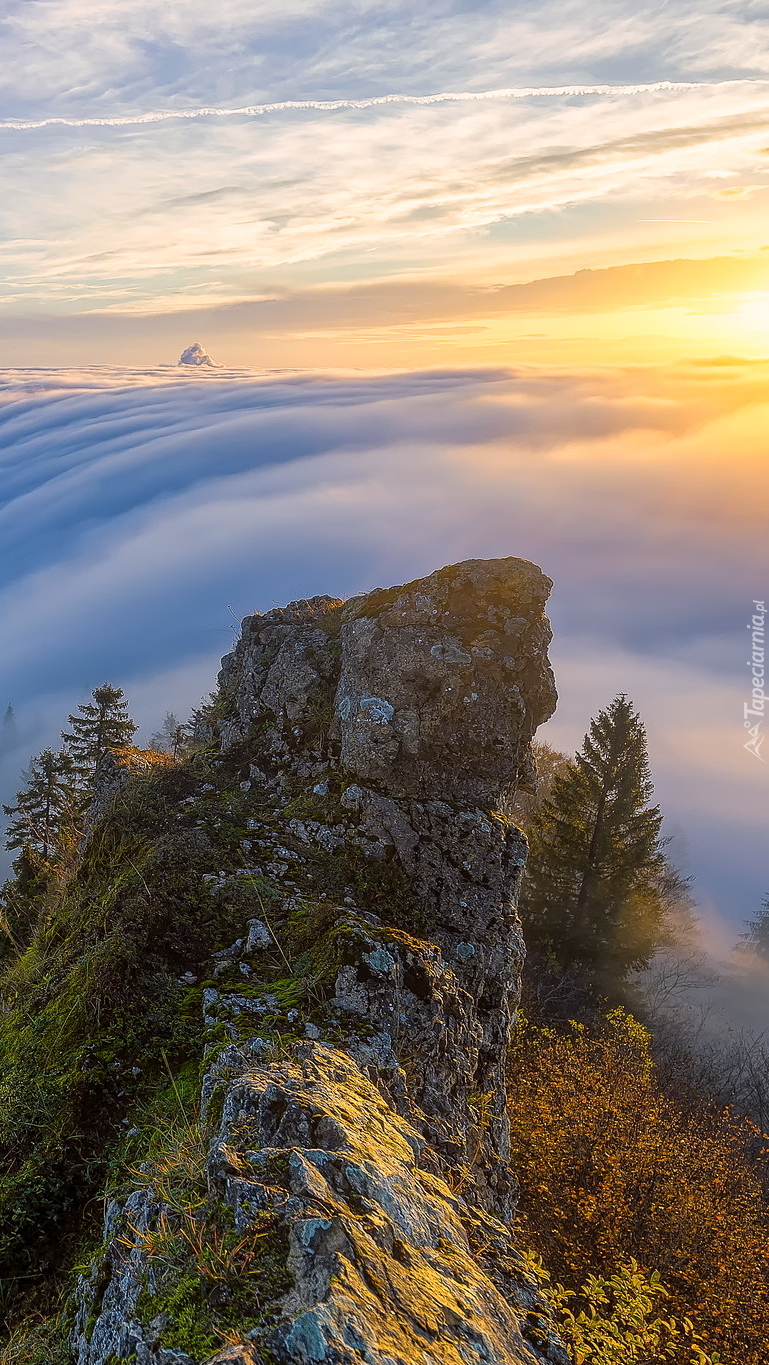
x=142, y=510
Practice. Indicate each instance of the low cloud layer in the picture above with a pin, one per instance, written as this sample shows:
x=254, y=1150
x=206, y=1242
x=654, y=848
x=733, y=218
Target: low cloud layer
x=143, y=513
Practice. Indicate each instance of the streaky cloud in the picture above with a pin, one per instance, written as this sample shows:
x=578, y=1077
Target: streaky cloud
x=523, y=92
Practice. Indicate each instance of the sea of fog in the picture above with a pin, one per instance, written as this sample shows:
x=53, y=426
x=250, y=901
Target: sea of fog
x=143, y=513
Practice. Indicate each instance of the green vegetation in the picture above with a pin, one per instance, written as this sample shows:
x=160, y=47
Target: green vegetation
x=44, y=807
x=40, y=1338
x=46, y=823
x=102, y=995
x=101, y=725
x=615, y=1320
x=597, y=879
x=93, y=1001
x=210, y=1283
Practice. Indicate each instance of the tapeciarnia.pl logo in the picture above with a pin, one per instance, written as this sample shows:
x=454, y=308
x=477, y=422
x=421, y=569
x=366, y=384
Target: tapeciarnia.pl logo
x=754, y=710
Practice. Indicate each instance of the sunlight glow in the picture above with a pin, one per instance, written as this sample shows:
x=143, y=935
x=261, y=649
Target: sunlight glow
x=754, y=313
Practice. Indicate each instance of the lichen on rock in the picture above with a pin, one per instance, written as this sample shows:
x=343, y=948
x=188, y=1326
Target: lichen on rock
x=358, y=1092
x=379, y=1257
x=442, y=683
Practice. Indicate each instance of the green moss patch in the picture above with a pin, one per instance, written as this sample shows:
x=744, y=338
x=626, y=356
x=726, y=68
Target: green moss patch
x=213, y=1282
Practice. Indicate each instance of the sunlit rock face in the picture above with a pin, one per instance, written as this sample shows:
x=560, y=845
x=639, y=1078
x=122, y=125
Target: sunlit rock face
x=365, y=1129
x=196, y=354
x=368, y=1214
x=413, y=708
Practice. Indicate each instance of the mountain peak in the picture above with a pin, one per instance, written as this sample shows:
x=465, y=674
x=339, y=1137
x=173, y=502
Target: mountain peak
x=196, y=354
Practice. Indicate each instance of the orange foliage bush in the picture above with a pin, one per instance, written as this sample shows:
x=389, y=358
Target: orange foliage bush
x=611, y=1169
x=138, y=762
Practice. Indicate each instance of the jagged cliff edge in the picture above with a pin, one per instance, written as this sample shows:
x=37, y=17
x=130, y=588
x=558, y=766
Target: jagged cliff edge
x=379, y=738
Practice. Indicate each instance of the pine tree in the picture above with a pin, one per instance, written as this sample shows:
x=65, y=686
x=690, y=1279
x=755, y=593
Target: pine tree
x=9, y=735
x=171, y=738
x=44, y=807
x=103, y=724
x=756, y=938
x=594, y=889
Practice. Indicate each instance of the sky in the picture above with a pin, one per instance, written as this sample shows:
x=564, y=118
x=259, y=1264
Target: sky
x=480, y=279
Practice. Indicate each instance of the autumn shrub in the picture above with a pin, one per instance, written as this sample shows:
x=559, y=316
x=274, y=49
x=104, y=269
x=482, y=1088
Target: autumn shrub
x=620, y=1319
x=611, y=1169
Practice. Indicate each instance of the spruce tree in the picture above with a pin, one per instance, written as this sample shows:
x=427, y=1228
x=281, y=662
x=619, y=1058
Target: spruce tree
x=756, y=938
x=9, y=735
x=102, y=724
x=44, y=807
x=594, y=886
x=171, y=738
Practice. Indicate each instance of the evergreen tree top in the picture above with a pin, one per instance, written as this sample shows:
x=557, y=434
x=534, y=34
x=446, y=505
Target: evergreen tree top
x=593, y=889
x=44, y=804
x=102, y=724
x=756, y=937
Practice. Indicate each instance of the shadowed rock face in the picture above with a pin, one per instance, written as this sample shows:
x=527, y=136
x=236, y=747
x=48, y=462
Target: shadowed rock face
x=382, y=734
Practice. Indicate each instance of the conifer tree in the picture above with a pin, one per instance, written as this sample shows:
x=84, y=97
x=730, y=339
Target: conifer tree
x=44, y=807
x=756, y=938
x=102, y=724
x=594, y=887
x=171, y=738
x=9, y=735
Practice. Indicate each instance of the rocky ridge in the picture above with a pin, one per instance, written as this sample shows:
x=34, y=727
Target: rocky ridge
x=353, y=1114
x=197, y=355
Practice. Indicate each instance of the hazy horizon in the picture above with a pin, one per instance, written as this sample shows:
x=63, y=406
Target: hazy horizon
x=482, y=280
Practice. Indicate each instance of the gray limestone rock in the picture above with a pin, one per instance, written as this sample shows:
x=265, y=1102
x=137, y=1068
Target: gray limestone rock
x=443, y=682
x=429, y=691
x=424, y=699
x=391, y=729
x=378, y=1259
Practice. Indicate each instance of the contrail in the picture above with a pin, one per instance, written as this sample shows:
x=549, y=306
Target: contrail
x=329, y=106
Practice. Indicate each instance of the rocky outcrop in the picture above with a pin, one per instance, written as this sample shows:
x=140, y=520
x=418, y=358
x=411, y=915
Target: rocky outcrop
x=379, y=1254
x=421, y=702
x=380, y=738
x=432, y=690
x=197, y=355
